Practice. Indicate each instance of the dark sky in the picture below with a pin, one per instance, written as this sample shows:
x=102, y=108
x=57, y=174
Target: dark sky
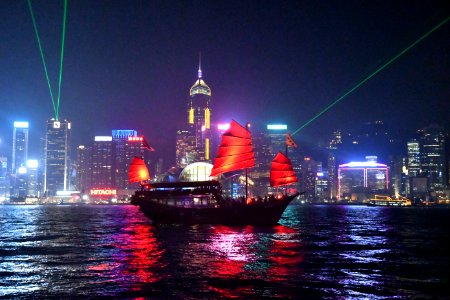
x=130, y=64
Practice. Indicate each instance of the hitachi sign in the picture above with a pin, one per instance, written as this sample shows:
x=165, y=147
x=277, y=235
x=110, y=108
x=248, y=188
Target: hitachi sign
x=103, y=192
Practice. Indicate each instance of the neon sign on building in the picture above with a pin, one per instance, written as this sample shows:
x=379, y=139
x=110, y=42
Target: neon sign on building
x=103, y=192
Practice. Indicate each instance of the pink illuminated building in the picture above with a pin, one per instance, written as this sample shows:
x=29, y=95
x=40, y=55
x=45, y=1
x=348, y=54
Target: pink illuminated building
x=362, y=178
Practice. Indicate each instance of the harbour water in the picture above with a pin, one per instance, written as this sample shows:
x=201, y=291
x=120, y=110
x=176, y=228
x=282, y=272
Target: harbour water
x=317, y=252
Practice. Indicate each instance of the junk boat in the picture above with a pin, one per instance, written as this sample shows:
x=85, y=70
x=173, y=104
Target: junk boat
x=202, y=202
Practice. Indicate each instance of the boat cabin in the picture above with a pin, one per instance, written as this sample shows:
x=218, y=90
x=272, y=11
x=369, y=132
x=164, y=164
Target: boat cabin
x=198, y=194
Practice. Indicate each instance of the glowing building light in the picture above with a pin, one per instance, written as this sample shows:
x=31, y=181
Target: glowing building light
x=64, y=193
x=276, y=127
x=224, y=126
x=22, y=170
x=191, y=116
x=207, y=118
x=135, y=138
x=206, y=148
x=101, y=138
x=380, y=176
x=32, y=163
x=362, y=164
x=19, y=124
x=123, y=133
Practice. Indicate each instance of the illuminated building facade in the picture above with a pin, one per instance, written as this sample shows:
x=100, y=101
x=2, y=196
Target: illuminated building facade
x=321, y=186
x=263, y=157
x=19, y=160
x=309, y=168
x=133, y=147
x=185, y=148
x=121, y=156
x=413, y=158
x=83, y=168
x=33, y=188
x=356, y=180
x=20, y=146
x=4, y=182
x=277, y=137
x=333, y=145
x=56, y=157
x=198, y=171
x=199, y=117
x=432, y=157
x=102, y=162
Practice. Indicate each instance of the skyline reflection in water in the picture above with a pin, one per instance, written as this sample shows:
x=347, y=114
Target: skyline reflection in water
x=316, y=252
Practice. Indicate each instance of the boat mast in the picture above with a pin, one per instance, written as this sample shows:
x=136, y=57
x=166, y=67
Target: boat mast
x=286, y=152
x=246, y=184
x=246, y=171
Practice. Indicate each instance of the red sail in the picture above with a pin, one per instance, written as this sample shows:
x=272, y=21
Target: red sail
x=281, y=172
x=138, y=170
x=235, y=150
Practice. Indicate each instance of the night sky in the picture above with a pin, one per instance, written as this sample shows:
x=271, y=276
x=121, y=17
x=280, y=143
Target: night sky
x=130, y=64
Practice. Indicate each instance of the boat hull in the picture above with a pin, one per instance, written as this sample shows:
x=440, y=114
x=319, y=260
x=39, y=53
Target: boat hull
x=232, y=214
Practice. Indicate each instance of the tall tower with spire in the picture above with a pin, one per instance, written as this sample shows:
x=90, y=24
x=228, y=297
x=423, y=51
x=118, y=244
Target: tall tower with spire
x=199, y=115
x=194, y=140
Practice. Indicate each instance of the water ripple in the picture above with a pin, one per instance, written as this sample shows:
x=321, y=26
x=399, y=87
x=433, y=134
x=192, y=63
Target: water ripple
x=317, y=252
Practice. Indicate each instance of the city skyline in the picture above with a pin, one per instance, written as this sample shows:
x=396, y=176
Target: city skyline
x=128, y=65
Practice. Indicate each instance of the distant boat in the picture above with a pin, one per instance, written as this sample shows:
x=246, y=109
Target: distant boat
x=202, y=202
x=382, y=200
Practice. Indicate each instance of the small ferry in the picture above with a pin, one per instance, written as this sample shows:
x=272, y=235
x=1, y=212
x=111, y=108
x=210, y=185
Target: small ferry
x=380, y=200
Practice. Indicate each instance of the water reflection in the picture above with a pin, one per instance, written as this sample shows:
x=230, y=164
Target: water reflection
x=66, y=250
x=254, y=258
x=319, y=252
x=286, y=254
x=139, y=254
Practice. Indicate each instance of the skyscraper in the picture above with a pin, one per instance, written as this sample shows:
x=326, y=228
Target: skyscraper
x=333, y=145
x=413, y=158
x=20, y=146
x=432, y=152
x=185, y=147
x=277, y=137
x=121, y=157
x=134, y=147
x=4, y=182
x=83, y=168
x=57, y=154
x=199, y=116
x=102, y=162
x=19, y=160
x=32, y=178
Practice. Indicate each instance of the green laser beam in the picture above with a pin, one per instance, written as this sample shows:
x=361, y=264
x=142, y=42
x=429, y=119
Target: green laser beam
x=42, y=56
x=372, y=75
x=61, y=57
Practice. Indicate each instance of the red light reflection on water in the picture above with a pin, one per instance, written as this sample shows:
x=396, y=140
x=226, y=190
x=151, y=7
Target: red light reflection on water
x=284, y=254
x=252, y=256
x=138, y=254
x=142, y=251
